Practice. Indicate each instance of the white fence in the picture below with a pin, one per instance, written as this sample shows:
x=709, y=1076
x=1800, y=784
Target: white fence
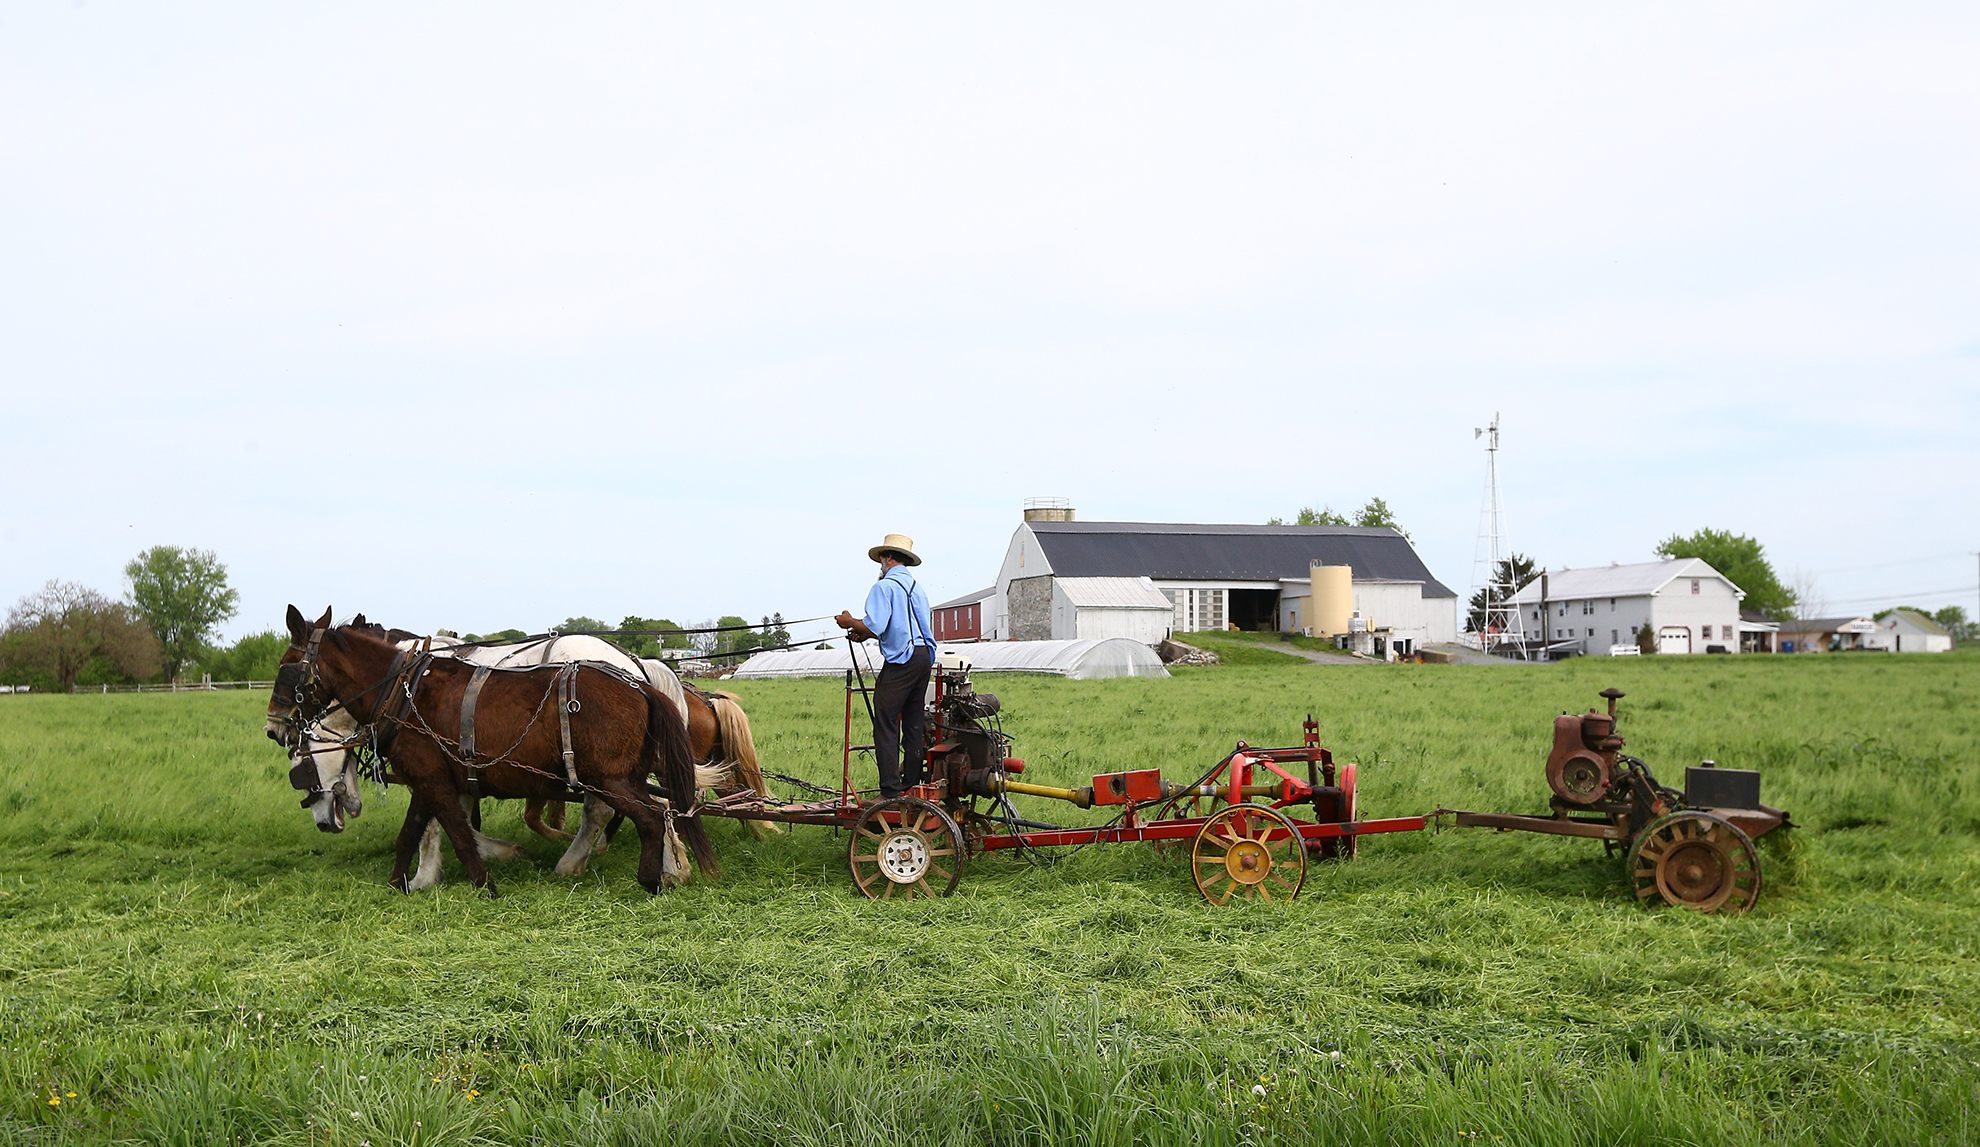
x=175, y=687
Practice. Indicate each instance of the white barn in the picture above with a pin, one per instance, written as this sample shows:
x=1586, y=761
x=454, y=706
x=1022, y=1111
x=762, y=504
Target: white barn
x=1064, y=579
x=1688, y=605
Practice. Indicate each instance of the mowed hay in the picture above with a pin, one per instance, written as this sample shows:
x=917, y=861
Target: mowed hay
x=188, y=956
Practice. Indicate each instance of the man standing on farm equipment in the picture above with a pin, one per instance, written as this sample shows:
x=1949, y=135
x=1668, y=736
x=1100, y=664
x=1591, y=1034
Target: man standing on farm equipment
x=897, y=616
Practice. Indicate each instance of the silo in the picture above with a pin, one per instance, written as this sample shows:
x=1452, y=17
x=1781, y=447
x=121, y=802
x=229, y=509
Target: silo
x=1332, y=603
x=1048, y=510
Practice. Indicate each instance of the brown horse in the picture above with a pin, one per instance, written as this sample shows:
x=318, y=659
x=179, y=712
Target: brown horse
x=718, y=729
x=621, y=731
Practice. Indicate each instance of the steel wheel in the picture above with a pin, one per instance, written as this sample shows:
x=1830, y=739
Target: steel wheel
x=1191, y=806
x=905, y=847
x=1695, y=860
x=1248, y=851
x=1342, y=847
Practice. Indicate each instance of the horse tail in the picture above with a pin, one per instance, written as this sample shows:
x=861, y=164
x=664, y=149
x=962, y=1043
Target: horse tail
x=739, y=742
x=739, y=746
x=671, y=757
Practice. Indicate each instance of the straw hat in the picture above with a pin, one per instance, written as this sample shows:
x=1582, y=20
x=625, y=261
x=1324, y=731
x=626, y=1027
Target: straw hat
x=900, y=544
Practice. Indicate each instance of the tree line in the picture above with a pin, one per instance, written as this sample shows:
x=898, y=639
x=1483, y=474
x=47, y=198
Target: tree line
x=663, y=637
x=67, y=634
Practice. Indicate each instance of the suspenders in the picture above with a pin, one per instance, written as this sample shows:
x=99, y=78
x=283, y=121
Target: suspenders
x=916, y=635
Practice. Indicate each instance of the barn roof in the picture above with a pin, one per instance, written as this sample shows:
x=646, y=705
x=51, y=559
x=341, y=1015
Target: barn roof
x=1918, y=621
x=1198, y=552
x=968, y=598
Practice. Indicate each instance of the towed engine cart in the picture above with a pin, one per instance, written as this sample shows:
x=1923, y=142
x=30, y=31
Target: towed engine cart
x=1692, y=849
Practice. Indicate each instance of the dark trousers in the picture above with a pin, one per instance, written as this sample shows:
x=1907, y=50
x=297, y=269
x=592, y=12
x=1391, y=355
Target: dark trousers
x=900, y=714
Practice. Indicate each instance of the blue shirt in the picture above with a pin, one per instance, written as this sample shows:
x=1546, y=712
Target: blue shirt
x=897, y=610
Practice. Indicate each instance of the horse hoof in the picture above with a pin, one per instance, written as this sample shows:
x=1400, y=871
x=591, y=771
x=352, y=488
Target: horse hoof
x=652, y=887
x=488, y=890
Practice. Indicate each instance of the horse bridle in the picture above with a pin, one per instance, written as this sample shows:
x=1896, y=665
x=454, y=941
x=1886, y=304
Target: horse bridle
x=298, y=680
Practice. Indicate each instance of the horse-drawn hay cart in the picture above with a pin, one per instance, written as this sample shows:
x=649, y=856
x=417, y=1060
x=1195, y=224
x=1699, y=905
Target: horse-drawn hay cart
x=1254, y=819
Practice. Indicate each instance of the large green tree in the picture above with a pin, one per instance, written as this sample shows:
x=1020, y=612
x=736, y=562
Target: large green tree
x=1377, y=513
x=183, y=595
x=63, y=631
x=735, y=637
x=1741, y=559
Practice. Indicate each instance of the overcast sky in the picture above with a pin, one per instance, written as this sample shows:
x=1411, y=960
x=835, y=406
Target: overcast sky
x=486, y=315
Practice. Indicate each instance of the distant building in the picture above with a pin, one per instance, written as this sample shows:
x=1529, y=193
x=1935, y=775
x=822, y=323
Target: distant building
x=1908, y=631
x=1063, y=578
x=961, y=619
x=1827, y=634
x=1689, y=606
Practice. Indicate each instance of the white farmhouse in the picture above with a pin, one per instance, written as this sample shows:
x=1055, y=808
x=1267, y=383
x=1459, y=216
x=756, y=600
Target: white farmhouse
x=1064, y=579
x=1688, y=605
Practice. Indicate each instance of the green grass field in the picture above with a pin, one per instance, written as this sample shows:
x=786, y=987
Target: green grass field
x=185, y=959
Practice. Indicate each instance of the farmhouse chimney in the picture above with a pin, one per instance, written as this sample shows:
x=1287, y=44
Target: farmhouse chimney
x=1048, y=510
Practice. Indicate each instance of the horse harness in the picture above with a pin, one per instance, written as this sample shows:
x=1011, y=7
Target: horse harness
x=374, y=738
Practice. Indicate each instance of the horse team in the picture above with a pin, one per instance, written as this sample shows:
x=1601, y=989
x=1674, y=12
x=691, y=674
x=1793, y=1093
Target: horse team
x=543, y=721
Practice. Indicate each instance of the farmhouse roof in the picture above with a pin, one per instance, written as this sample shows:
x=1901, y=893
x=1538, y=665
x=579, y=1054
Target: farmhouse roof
x=1198, y=552
x=1638, y=579
x=968, y=598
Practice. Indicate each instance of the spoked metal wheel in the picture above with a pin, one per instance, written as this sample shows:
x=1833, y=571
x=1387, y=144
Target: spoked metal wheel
x=1695, y=860
x=905, y=848
x=1248, y=852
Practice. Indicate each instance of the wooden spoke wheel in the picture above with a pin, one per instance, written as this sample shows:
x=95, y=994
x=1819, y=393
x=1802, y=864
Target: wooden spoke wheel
x=1695, y=860
x=1249, y=852
x=905, y=848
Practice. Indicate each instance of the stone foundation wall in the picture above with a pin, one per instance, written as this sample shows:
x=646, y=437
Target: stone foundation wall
x=1030, y=600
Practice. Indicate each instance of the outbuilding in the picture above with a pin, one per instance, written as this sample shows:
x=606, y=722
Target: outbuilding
x=1908, y=631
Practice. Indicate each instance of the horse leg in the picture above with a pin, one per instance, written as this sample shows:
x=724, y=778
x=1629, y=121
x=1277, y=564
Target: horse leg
x=534, y=816
x=490, y=847
x=455, y=820
x=418, y=817
x=651, y=822
x=590, y=838
x=428, y=873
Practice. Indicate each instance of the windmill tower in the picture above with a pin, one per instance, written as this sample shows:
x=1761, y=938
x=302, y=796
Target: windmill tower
x=1500, y=627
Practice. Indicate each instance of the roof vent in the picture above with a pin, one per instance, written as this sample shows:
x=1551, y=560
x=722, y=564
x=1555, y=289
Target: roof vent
x=1048, y=510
